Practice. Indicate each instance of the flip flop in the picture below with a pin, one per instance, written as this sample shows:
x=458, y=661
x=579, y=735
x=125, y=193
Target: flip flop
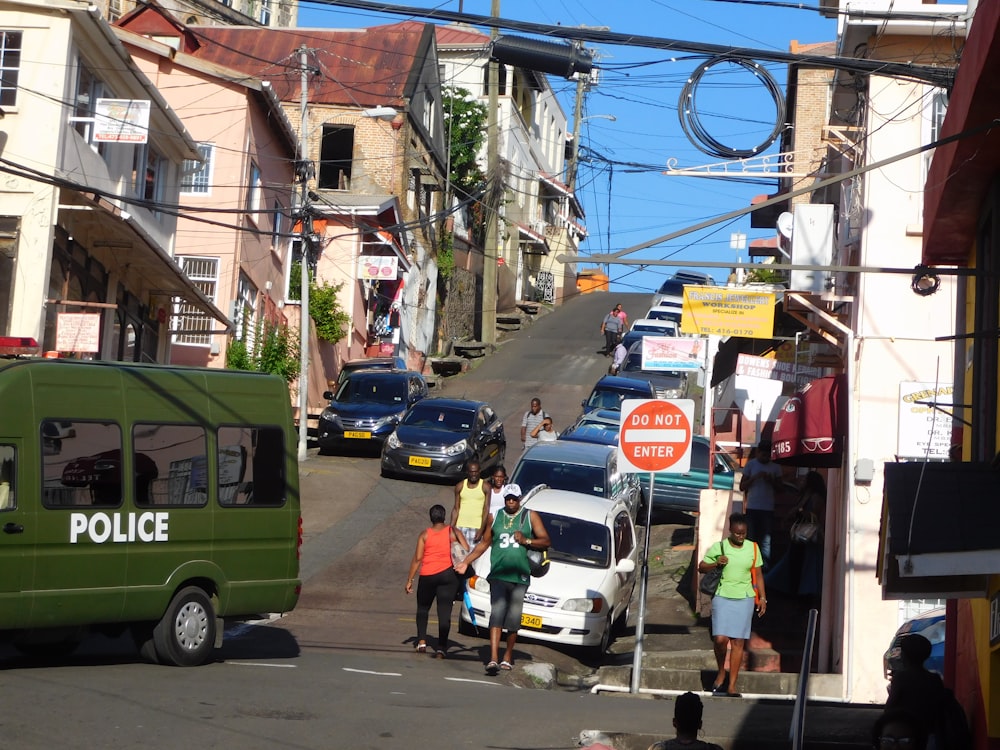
x=421, y=647
x=506, y=666
x=439, y=654
x=718, y=689
x=492, y=668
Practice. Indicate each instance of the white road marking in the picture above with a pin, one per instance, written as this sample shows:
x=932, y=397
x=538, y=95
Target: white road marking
x=369, y=671
x=260, y=664
x=477, y=682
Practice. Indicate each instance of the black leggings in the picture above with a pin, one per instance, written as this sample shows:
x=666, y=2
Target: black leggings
x=443, y=586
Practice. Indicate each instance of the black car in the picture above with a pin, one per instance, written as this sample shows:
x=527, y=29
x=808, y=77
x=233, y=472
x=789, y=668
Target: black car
x=439, y=435
x=370, y=363
x=367, y=406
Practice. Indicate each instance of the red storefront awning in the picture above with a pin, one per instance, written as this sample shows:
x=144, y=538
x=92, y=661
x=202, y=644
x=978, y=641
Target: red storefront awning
x=810, y=427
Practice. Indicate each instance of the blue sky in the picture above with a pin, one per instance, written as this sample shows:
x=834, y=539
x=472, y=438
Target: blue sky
x=627, y=198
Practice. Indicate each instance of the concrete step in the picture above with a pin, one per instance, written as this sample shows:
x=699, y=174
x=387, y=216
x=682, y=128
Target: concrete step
x=777, y=684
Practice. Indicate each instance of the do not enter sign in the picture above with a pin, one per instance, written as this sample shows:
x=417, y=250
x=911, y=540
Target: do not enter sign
x=655, y=435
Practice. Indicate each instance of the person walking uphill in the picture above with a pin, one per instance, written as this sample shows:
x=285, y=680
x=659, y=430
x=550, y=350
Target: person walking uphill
x=741, y=590
x=437, y=578
x=510, y=535
x=612, y=327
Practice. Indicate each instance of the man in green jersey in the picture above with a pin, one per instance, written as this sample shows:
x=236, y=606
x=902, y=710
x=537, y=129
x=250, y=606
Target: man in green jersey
x=508, y=536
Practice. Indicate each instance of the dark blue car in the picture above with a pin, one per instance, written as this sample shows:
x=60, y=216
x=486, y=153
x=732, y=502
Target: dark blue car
x=367, y=407
x=611, y=390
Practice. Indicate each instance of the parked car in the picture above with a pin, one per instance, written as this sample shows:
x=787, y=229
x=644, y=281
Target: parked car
x=591, y=578
x=367, y=407
x=611, y=390
x=683, y=491
x=600, y=426
x=671, y=291
x=664, y=312
x=656, y=327
x=931, y=626
x=370, y=363
x=666, y=383
x=437, y=436
x=578, y=467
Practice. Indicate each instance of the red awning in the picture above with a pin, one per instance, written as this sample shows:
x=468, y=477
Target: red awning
x=810, y=427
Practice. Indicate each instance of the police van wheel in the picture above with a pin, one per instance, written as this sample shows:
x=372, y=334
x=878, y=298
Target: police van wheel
x=185, y=636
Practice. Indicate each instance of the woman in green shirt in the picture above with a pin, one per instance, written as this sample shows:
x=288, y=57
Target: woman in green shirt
x=741, y=589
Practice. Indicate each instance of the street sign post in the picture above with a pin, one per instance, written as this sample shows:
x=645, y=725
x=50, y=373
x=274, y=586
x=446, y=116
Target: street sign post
x=654, y=436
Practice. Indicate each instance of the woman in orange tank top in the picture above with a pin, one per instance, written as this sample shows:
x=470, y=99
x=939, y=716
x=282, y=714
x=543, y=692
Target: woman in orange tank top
x=438, y=579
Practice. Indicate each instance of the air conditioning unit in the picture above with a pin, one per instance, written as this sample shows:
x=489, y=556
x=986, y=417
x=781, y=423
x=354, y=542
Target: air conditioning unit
x=538, y=227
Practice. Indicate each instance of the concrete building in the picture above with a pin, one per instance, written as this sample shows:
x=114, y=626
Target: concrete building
x=856, y=316
x=540, y=217
x=373, y=160
x=88, y=201
x=240, y=258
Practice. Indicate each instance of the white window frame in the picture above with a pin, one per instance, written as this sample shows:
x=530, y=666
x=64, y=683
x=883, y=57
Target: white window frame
x=11, y=46
x=264, y=13
x=245, y=312
x=196, y=177
x=255, y=192
x=203, y=271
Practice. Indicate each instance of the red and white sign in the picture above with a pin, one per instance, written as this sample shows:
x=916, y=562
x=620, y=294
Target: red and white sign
x=655, y=435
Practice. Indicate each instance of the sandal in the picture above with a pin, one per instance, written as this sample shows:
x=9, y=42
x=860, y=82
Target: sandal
x=506, y=666
x=439, y=654
x=492, y=668
x=421, y=647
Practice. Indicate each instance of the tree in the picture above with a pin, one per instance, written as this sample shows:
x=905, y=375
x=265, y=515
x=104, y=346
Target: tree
x=465, y=124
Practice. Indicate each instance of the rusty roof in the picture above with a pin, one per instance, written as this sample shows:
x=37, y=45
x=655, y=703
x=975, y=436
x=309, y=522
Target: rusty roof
x=353, y=67
x=461, y=35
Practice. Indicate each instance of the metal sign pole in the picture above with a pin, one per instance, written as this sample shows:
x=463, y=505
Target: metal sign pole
x=640, y=624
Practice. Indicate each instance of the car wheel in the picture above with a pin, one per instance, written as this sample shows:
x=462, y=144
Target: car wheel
x=622, y=622
x=185, y=635
x=607, y=637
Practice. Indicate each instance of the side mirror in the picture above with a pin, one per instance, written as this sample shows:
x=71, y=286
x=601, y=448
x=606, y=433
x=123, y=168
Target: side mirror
x=626, y=566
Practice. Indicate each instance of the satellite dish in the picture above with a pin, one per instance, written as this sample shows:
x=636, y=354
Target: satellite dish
x=785, y=224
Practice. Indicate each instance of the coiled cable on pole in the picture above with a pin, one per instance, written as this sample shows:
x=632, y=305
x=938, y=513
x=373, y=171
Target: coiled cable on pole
x=687, y=110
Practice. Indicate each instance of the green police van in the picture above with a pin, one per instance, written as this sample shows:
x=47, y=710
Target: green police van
x=153, y=499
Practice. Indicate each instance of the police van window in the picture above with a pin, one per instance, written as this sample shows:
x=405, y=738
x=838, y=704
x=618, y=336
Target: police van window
x=251, y=466
x=81, y=464
x=170, y=465
x=8, y=500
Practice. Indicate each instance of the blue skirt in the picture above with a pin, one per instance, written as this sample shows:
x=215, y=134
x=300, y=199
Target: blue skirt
x=732, y=617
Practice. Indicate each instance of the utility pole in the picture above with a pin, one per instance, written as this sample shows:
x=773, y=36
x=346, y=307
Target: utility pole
x=305, y=230
x=493, y=192
x=581, y=83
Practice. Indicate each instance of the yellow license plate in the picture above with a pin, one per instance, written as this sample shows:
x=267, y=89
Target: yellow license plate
x=420, y=461
x=358, y=435
x=530, y=621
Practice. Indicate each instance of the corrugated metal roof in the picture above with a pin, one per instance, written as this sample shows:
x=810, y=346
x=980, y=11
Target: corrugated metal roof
x=460, y=35
x=356, y=67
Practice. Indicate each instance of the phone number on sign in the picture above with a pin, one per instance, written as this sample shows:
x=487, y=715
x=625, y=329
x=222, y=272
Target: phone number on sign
x=727, y=331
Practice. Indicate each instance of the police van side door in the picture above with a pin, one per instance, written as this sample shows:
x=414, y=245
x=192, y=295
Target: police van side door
x=16, y=536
